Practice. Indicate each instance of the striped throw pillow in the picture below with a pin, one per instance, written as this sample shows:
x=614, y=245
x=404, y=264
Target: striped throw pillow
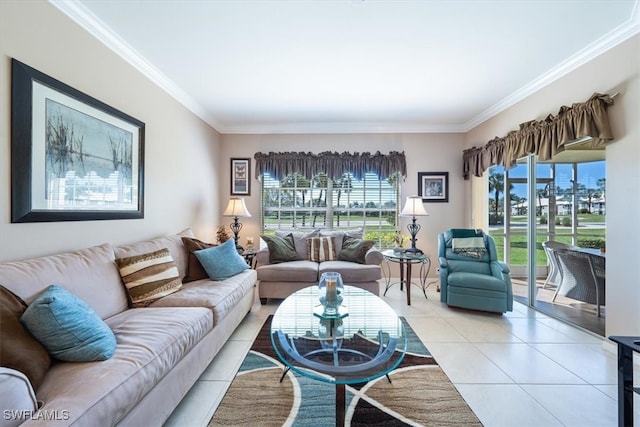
x=150, y=276
x=321, y=249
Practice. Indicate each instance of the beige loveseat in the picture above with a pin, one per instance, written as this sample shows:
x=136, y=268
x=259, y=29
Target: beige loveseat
x=281, y=279
x=161, y=349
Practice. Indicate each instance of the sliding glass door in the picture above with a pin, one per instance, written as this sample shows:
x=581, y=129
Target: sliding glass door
x=562, y=200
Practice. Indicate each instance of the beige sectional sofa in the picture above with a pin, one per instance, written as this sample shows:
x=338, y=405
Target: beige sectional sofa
x=161, y=349
x=280, y=279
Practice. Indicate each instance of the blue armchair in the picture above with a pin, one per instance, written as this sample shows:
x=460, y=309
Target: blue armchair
x=470, y=274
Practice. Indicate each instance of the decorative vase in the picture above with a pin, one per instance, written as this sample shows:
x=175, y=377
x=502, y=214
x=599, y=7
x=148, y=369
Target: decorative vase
x=330, y=292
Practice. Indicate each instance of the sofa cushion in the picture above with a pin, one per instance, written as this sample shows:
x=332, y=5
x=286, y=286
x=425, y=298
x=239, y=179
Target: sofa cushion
x=357, y=233
x=352, y=272
x=355, y=250
x=149, y=276
x=281, y=249
x=223, y=261
x=220, y=296
x=151, y=341
x=292, y=271
x=299, y=240
x=19, y=349
x=195, y=271
x=172, y=242
x=106, y=295
x=321, y=249
x=68, y=327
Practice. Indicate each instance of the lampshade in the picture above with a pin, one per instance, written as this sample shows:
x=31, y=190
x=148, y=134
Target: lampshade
x=413, y=207
x=236, y=208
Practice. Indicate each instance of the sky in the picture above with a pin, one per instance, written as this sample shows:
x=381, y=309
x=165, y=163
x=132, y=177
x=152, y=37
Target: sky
x=588, y=174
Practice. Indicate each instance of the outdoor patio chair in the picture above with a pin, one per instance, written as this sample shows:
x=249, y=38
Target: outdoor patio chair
x=582, y=277
x=554, y=271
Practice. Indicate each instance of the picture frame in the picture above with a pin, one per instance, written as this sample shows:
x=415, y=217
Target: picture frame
x=240, y=177
x=433, y=186
x=73, y=157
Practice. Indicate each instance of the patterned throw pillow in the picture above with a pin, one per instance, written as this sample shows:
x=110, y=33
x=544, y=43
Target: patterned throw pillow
x=321, y=249
x=150, y=276
x=354, y=250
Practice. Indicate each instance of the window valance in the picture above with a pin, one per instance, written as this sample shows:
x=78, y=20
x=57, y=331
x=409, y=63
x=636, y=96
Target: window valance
x=334, y=164
x=545, y=138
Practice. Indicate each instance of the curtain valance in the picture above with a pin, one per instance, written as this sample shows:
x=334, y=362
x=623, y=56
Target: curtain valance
x=545, y=138
x=334, y=164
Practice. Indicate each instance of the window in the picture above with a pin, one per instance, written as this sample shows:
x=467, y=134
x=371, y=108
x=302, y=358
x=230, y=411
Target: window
x=297, y=202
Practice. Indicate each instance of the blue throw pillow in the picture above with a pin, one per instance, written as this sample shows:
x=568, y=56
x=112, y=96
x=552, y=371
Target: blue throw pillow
x=68, y=327
x=223, y=261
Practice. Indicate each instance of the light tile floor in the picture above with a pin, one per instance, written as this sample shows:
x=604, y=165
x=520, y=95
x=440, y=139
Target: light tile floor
x=522, y=368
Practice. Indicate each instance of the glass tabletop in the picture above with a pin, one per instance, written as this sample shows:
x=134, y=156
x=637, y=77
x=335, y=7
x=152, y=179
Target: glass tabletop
x=366, y=340
x=404, y=256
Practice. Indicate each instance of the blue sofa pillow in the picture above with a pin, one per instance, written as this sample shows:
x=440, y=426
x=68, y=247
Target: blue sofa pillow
x=68, y=327
x=223, y=261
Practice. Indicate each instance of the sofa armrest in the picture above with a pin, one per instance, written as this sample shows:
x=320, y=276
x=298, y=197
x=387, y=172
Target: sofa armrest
x=262, y=257
x=442, y=261
x=499, y=269
x=373, y=256
x=17, y=395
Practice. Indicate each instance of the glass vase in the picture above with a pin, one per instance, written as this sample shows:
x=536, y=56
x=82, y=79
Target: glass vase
x=330, y=292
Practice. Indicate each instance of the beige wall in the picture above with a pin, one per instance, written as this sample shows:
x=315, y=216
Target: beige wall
x=424, y=152
x=182, y=152
x=614, y=71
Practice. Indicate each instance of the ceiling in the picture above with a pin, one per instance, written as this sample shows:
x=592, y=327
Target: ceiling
x=354, y=65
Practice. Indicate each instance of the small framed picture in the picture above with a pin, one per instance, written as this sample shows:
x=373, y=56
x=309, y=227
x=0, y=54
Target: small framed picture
x=240, y=177
x=433, y=186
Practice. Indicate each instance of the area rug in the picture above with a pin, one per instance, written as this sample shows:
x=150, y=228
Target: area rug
x=419, y=394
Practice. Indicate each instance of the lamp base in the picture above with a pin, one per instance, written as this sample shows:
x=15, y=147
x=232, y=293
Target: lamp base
x=413, y=251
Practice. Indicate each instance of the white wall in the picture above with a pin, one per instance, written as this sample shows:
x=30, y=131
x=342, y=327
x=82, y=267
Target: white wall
x=424, y=152
x=182, y=152
x=614, y=71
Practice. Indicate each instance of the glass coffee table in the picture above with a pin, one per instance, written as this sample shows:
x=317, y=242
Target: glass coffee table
x=364, y=341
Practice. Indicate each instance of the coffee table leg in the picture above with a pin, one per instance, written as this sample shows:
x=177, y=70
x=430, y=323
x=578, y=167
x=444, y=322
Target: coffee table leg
x=340, y=404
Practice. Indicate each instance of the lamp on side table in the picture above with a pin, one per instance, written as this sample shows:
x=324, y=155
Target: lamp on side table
x=413, y=208
x=237, y=209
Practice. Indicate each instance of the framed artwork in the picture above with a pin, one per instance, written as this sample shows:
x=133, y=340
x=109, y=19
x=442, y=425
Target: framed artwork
x=240, y=177
x=73, y=158
x=433, y=186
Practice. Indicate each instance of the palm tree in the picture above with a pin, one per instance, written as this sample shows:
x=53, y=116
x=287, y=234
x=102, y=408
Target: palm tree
x=496, y=185
x=319, y=181
x=345, y=184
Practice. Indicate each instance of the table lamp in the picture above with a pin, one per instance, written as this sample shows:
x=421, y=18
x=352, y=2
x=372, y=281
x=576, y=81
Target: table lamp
x=413, y=208
x=236, y=208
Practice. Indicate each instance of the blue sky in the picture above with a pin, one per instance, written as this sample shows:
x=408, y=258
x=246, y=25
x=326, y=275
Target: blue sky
x=588, y=174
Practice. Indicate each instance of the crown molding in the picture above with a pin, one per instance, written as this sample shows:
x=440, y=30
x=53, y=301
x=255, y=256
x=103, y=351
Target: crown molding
x=97, y=28
x=338, y=128
x=629, y=29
